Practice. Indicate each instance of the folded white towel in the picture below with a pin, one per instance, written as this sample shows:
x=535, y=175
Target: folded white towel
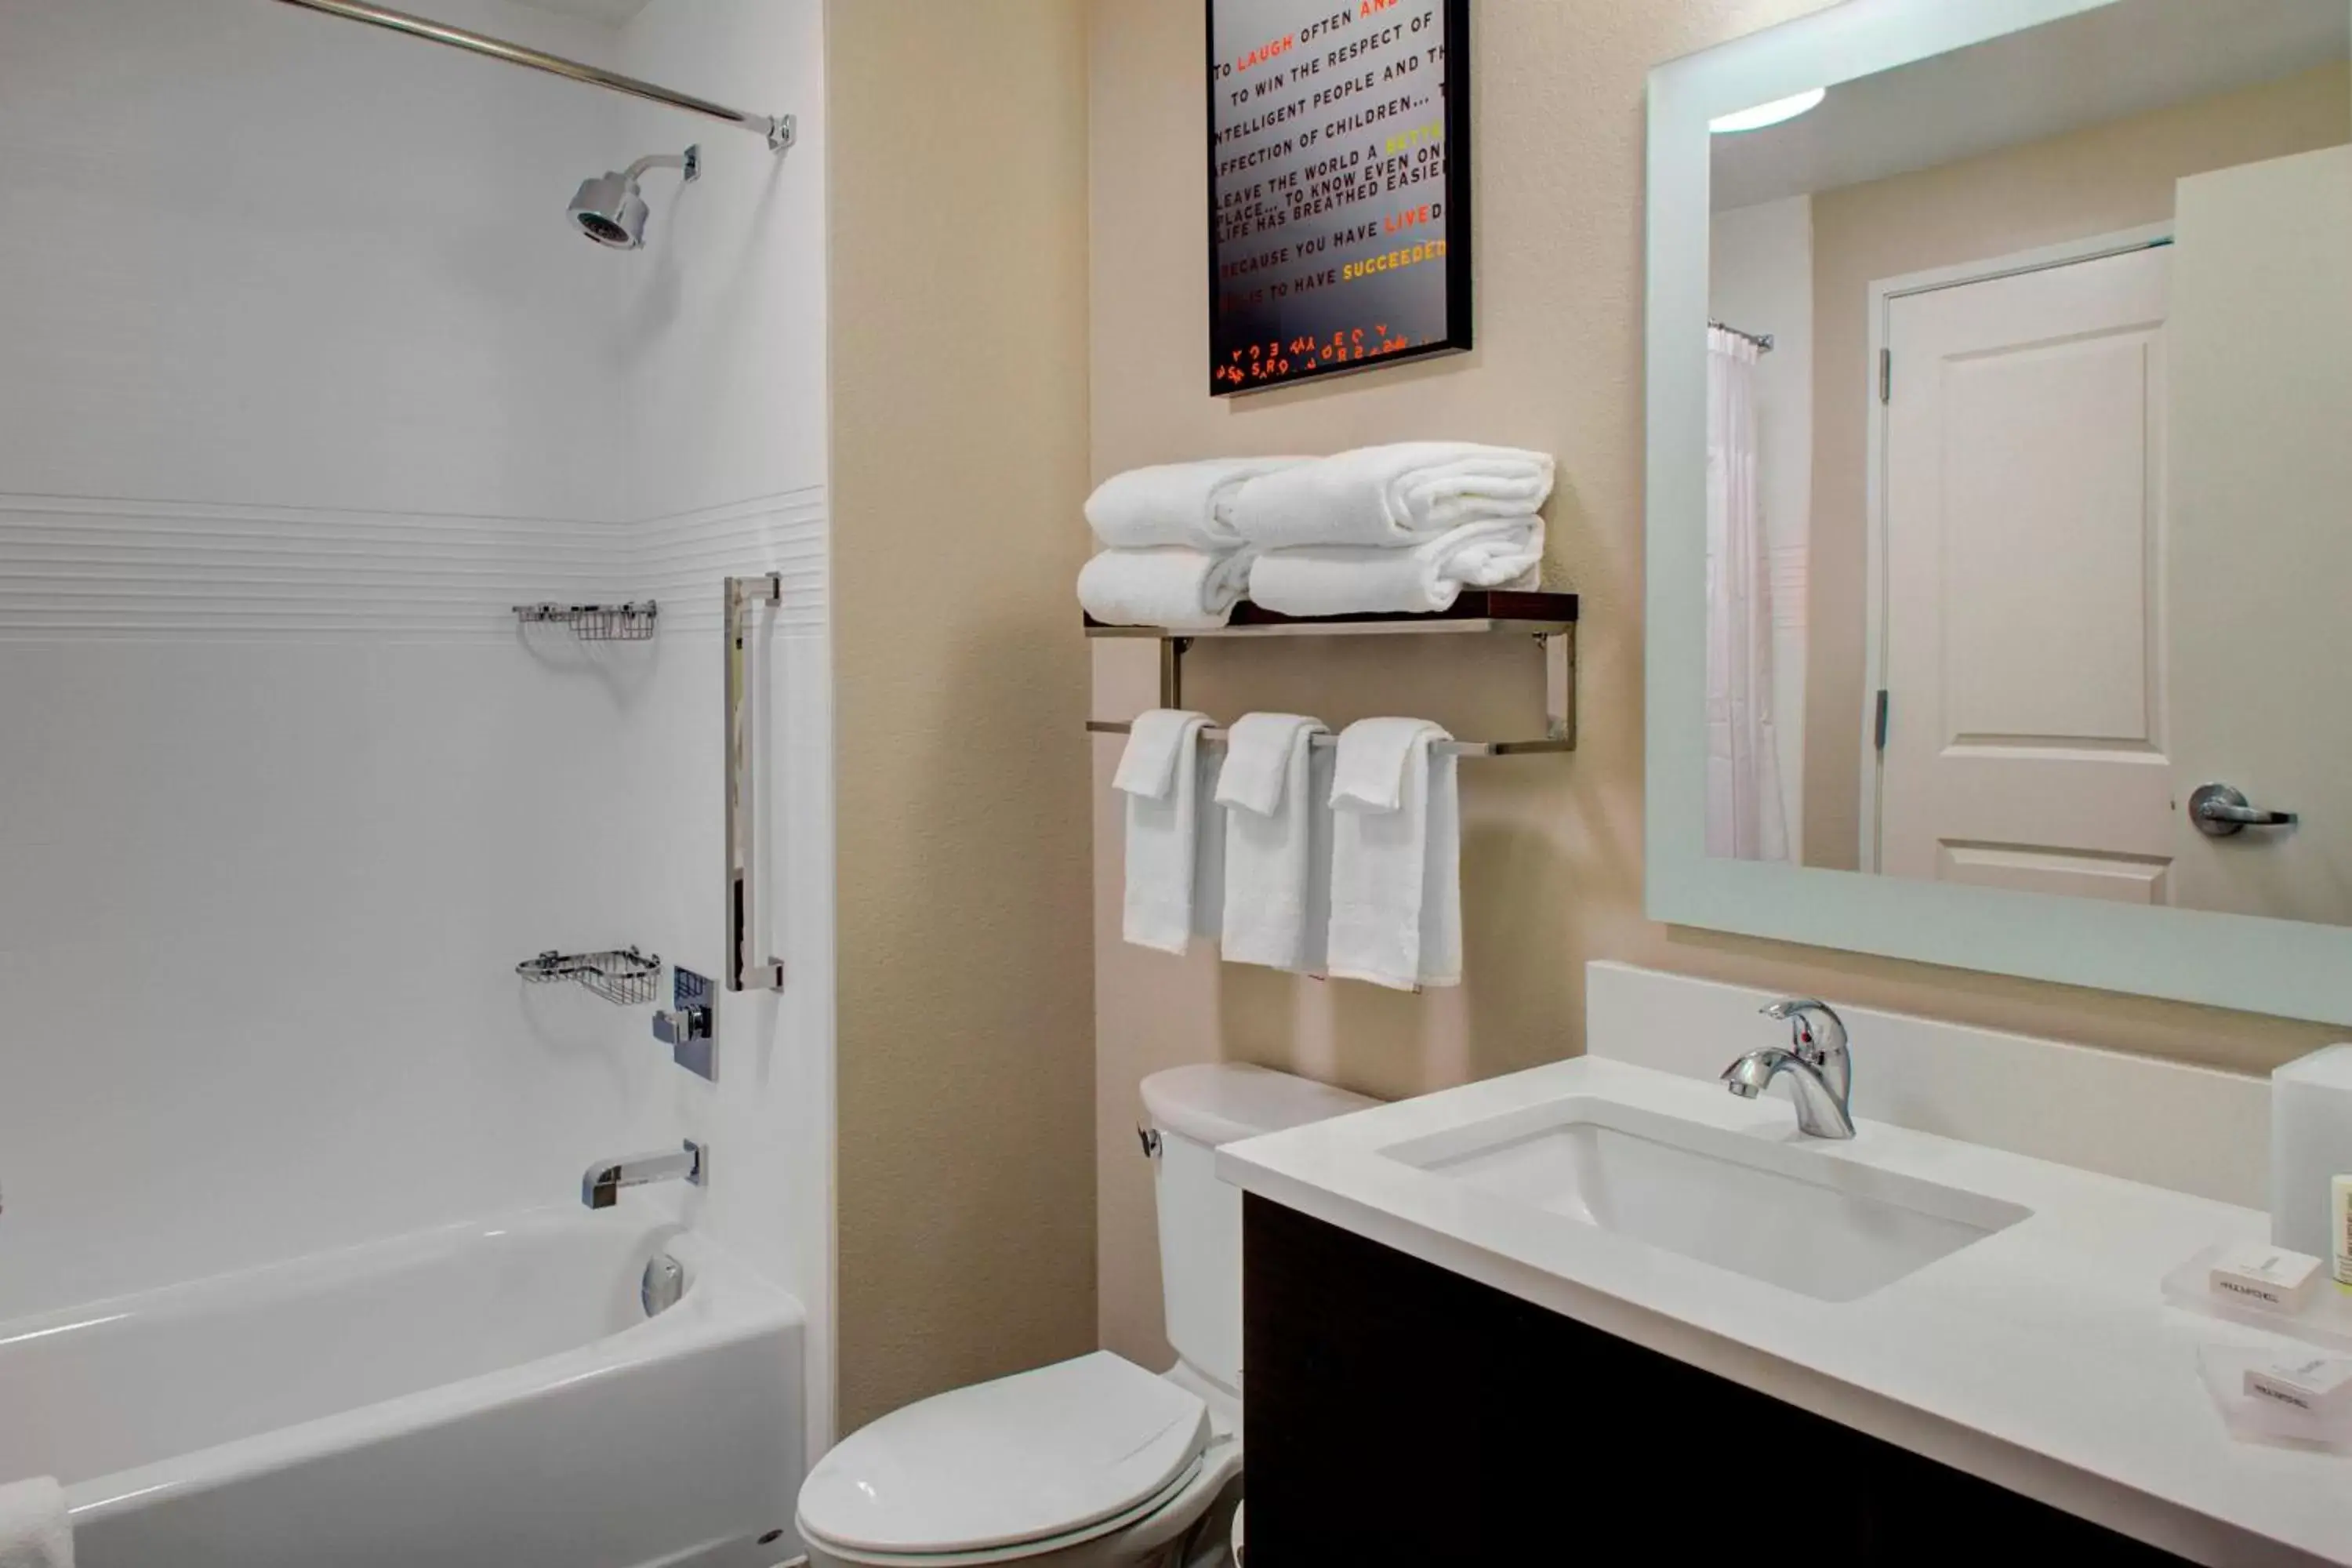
x=1170, y=586
x=1276, y=908
x=1176, y=503
x=1356, y=579
x=1396, y=856
x=1159, y=774
x=1388, y=496
x=35, y=1531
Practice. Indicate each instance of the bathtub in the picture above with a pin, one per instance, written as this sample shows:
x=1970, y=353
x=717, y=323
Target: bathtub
x=490, y=1395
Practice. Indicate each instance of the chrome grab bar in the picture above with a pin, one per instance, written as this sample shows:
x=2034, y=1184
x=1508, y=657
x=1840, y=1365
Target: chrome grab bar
x=740, y=973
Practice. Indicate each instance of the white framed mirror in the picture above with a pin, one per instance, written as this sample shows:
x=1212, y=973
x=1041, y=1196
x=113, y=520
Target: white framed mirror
x=1998, y=523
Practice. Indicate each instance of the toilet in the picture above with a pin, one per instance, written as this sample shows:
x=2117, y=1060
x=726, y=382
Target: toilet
x=1093, y=1462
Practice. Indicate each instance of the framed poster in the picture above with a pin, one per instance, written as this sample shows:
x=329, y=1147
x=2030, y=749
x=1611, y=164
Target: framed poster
x=1338, y=186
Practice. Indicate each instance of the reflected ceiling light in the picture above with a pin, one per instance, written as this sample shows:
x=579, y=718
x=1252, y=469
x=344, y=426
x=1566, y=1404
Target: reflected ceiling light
x=1771, y=113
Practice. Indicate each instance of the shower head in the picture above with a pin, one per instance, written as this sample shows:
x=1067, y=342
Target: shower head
x=611, y=210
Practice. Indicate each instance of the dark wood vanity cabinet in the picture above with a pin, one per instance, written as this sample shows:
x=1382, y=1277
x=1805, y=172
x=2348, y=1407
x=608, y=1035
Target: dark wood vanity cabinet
x=1400, y=1414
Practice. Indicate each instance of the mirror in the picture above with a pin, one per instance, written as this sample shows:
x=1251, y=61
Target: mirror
x=2018, y=459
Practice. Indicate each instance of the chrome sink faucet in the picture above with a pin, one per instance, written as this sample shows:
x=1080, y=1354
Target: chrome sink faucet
x=599, y=1188
x=1820, y=1068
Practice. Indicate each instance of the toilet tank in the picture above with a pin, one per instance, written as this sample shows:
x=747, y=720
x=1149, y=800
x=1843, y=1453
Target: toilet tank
x=1194, y=1109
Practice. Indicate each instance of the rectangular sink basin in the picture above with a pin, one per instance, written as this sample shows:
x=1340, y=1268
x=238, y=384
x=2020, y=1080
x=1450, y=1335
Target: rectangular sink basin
x=1791, y=1216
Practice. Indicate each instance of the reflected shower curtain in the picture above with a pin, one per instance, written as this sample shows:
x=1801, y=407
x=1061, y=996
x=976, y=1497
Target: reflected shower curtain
x=1745, y=819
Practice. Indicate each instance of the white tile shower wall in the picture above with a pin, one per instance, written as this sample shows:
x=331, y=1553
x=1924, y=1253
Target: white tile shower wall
x=682, y=559
x=724, y=335
x=79, y=567
x=265, y=768
x=260, y=902
x=293, y=409
x=256, y=255
x=769, y=1118
x=283, y=793
x=724, y=330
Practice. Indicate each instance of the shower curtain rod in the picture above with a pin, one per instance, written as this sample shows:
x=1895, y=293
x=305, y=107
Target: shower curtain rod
x=778, y=128
x=1763, y=340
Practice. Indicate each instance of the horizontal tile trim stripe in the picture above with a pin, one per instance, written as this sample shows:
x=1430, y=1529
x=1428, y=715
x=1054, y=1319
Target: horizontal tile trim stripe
x=80, y=566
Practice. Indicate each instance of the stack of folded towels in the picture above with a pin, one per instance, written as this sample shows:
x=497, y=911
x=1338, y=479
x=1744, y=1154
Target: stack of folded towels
x=1398, y=528
x=1334, y=858
x=1171, y=556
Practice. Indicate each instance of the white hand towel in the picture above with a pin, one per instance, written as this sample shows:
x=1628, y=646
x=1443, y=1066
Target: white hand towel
x=1176, y=503
x=1388, y=496
x=1170, y=586
x=1273, y=823
x=1159, y=774
x=1422, y=579
x=1396, y=856
x=1208, y=844
x=33, y=1530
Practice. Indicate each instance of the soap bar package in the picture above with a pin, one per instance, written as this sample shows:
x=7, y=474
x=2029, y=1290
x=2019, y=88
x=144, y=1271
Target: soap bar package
x=2311, y=1145
x=2265, y=1276
x=2231, y=1375
x=2315, y=1384
x=2282, y=1292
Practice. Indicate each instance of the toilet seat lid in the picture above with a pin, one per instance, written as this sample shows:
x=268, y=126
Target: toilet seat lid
x=1035, y=1454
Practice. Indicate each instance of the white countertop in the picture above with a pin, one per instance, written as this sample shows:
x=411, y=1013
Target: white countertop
x=2043, y=1357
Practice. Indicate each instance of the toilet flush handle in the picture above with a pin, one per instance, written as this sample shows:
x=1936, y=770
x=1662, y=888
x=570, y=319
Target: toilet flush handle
x=1150, y=1138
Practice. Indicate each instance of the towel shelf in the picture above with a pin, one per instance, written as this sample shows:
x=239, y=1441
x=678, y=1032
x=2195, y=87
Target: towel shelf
x=1548, y=619
x=1476, y=610
x=1216, y=735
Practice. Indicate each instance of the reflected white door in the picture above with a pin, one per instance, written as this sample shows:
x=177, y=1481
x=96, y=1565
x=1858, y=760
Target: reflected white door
x=2024, y=506
x=2261, y=545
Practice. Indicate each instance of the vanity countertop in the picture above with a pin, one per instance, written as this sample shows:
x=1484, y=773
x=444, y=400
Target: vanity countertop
x=2043, y=1357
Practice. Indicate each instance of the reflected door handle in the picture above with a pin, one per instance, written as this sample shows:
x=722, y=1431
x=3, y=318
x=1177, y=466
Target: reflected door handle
x=2220, y=811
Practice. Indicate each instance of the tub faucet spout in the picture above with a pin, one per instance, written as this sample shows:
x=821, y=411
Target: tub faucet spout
x=599, y=1188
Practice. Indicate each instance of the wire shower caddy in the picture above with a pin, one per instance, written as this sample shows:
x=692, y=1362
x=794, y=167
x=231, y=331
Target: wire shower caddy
x=630, y=622
x=624, y=976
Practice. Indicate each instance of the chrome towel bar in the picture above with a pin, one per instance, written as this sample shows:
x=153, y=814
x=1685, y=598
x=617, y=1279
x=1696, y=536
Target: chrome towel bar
x=1551, y=619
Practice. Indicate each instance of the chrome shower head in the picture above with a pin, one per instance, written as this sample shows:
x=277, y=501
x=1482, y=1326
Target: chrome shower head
x=609, y=208
x=610, y=211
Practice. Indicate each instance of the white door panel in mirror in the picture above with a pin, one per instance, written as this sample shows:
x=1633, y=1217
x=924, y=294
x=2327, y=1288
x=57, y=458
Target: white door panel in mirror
x=2021, y=530
x=2053, y=498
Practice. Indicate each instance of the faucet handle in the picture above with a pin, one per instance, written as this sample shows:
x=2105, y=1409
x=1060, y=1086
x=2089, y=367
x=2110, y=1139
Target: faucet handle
x=1800, y=1012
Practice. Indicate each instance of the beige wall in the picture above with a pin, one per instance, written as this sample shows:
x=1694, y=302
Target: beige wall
x=1552, y=862
x=2110, y=177
x=965, y=1170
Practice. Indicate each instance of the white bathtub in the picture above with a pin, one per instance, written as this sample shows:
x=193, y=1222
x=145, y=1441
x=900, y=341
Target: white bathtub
x=491, y=1395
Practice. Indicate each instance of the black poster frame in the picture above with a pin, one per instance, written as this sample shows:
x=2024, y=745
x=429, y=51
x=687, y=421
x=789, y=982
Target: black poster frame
x=1456, y=23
